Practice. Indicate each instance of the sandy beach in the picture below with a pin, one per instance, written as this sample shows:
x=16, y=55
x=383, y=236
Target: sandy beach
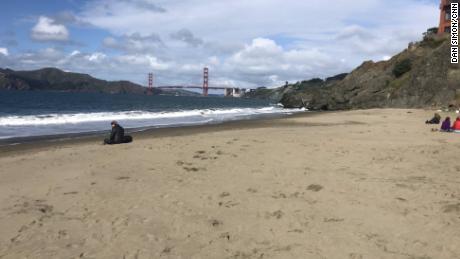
x=353, y=185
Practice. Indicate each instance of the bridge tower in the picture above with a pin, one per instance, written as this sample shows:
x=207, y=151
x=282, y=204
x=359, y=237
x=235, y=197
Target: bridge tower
x=205, y=81
x=150, y=86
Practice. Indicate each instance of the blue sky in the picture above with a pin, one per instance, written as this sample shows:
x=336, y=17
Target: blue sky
x=244, y=43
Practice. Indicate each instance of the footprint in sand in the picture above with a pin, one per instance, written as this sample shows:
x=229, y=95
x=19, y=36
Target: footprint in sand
x=279, y=196
x=276, y=214
x=228, y=204
x=355, y=256
x=452, y=208
x=224, y=194
x=329, y=220
x=31, y=206
x=191, y=169
x=69, y=193
x=167, y=250
x=181, y=163
x=225, y=235
x=216, y=223
x=201, y=155
x=315, y=187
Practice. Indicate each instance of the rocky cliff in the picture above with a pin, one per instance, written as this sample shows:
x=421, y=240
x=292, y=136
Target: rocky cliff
x=420, y=76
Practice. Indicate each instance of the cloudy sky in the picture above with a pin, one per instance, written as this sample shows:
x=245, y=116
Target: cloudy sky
x=244, y=43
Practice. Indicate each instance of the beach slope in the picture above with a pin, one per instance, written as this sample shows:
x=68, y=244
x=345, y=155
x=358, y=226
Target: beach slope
x=356, y=184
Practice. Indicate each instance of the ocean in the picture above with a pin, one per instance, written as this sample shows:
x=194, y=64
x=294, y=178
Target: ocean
x=41, y=113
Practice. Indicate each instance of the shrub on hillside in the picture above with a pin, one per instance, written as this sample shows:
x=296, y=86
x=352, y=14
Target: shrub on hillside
x=402, y=67
x=430, y=32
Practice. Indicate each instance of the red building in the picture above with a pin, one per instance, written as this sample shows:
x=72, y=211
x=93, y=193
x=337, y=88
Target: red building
x=444, y=21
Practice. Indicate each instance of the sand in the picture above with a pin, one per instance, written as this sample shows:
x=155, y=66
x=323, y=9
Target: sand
x=357, y=184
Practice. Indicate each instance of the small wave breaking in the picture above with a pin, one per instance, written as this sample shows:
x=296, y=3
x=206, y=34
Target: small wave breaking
x=63, y=123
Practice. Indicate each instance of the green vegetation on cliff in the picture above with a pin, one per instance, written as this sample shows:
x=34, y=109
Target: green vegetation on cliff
x=420, y=76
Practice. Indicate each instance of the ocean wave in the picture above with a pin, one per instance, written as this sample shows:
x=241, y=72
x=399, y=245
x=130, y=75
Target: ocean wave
x=79, y=118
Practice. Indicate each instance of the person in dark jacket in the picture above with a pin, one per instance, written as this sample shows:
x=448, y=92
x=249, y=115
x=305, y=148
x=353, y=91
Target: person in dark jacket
x=445, y=126
x=435, y=120
x=117, y=135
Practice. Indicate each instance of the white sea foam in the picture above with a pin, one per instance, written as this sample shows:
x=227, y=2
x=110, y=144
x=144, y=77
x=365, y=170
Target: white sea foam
x=75, y=118
x=55, y=124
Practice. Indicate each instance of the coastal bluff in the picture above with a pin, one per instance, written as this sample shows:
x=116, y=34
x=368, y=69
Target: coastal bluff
x=421, y=76
x=54, y=79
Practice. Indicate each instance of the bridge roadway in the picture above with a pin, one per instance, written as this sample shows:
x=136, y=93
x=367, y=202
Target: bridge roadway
x=193, y=87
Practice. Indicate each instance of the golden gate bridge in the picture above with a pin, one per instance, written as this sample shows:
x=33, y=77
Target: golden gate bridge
x=228, y=90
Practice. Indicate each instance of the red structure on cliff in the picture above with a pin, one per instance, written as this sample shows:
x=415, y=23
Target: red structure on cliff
x=444, y=21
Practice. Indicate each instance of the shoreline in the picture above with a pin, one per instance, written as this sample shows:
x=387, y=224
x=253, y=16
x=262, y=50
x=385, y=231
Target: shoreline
x=24, y=144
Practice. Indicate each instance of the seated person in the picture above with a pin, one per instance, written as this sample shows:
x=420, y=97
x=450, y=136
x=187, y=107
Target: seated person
x=435, y=120
x=456, y=126
x=445, y=127
x=117, y=135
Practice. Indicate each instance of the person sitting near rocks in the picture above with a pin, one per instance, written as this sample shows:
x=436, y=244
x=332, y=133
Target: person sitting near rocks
x=435, y=120
x=117, y=135
x=456, y=126
x=445, y=126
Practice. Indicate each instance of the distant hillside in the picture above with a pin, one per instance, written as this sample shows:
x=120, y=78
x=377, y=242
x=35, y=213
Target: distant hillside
x=57, y=80
x=420, y=76
x=53, y=79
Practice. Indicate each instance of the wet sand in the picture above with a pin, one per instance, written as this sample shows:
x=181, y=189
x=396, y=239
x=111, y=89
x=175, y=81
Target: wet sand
x=357, y=184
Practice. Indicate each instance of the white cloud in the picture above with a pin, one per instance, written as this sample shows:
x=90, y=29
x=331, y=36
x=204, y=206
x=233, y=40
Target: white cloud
x=386, y=58
x=134, y=43
x=96, y=57
x=147, y=61
x=244, y=43
x=47, y=29
x=75, y=52
x=186, y=36
x=213, y=60
x=4, y=51
x=267, y=63
x=257, y=43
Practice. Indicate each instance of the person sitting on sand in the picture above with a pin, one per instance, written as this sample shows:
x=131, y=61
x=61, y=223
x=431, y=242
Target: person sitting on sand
x=445, y=127
x=456, y=126
x=117, y=135
x=435, y=120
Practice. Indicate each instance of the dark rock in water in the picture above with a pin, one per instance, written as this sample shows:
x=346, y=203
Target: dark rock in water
x=429, y=81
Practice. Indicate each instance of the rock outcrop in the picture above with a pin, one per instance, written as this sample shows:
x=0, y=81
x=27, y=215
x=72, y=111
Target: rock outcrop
x=420, y=76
